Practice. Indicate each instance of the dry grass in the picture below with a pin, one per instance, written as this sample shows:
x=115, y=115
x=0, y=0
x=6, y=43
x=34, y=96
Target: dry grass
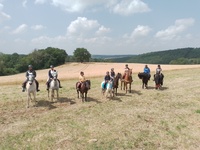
x=143, y=119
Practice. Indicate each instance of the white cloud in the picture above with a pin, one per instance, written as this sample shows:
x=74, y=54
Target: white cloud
x=102, y=30
x=82, y=26
x=140, y=31
x=173, y=31
x=3, y=15
x=76, y=5
x=122, y=7
x=127, y=7
x=40, y=1
x=38, y=27
x=24, y=3
x=20, y=29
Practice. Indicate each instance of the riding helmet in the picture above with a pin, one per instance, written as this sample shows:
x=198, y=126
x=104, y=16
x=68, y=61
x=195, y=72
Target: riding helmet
x=51, y=66
x=30, y=66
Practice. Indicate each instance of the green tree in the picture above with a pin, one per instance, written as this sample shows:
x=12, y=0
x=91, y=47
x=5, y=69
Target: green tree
x=82, y=55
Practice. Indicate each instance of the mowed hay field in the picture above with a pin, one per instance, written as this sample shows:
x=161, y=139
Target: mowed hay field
x=144, y=119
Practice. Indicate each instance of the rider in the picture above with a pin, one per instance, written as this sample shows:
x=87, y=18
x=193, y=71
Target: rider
x=107, y=78
x=50, y=72
x=112, y=74
x=81, y=80
x=158, y=69
x=147, y=71
x=125, y=70
x=28, y=72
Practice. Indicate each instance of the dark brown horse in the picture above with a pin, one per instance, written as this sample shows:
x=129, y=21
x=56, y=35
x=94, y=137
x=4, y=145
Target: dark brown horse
x=127, y=80
x=82, y=89
x=116, y=82
x=158, y=78
x=145, y=78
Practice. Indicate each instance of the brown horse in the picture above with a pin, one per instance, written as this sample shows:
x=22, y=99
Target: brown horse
x=127, y=80
x=158, y=78
x=145, y=78
x=116, y=82
x=83, y=89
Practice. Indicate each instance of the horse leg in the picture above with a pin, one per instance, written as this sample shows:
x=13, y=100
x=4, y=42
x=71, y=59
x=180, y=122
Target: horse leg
x=129, y=87
x=28, y=99
x=57, y=93
x=82, y=96
x=86, y=96
x=52, y=95
x=34, y=98
x=125, y=85
x=143, y=84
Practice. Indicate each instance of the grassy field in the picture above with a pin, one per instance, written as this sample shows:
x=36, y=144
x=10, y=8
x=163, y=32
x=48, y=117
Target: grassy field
x=144, y=119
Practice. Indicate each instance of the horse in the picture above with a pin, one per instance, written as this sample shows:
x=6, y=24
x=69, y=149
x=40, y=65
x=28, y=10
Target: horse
x=31, y=89
x=116, y=82
x=144, y=77
x=127, y=80
x=108, y=89
x=54, y=86
x=158, y=78
x=82, y=89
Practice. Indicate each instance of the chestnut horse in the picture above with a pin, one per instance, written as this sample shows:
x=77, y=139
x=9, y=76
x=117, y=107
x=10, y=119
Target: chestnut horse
x=127, y=80
x=116, y=82
x=83, y=89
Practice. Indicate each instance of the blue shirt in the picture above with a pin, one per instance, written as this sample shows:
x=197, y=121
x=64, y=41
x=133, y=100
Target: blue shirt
x=147, y=70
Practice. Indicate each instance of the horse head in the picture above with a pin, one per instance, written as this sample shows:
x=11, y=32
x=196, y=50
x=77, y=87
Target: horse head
x=54, y=74
x=31, y=78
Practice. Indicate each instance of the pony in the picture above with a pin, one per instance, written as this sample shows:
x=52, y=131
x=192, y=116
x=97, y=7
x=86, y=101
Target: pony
x=54, y=86
x=116, y=82
x=158, y=78
x=82, y=89
x=108, y=90
x=144, y=77
x=31, y=89
x=127, y=80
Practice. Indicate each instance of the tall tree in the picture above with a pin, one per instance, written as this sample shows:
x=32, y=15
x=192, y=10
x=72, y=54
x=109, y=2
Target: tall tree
x=82, y=55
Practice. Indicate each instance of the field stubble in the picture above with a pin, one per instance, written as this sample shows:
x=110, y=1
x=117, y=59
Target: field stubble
x=144, y=119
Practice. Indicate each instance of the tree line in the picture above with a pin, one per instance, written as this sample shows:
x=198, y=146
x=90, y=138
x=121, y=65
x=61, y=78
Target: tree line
x=40, y=59
x=175, y=56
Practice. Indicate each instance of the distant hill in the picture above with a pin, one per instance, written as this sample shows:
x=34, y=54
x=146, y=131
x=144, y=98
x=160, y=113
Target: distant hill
x=175, y=56
x=111, y=56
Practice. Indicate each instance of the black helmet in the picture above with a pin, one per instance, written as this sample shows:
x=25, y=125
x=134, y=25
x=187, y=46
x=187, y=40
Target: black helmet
x=126, y=64
x=30, y=66
x=51, y=66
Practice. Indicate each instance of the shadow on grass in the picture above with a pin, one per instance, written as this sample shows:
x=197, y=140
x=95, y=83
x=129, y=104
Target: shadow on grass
x=66, y=100
x=115, y=98
x=90, y=99
x=136, y=92
x=45, y=103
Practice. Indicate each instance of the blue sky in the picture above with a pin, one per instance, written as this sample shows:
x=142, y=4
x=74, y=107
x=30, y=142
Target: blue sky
x=100, y=26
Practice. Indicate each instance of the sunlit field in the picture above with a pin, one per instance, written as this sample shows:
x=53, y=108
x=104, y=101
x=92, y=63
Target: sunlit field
x=143, y=119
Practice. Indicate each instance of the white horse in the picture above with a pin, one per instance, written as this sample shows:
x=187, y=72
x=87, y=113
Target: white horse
x=54, y=86
x=31, y=89
x=108, y=90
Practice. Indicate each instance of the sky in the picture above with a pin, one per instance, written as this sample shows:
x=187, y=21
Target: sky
x=104, y=27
